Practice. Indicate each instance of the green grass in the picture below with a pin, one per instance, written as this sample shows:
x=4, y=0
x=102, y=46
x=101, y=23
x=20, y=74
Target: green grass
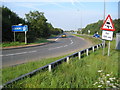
x=16, y=71
x=77, y=73
x=8, y=44
x=93, y=40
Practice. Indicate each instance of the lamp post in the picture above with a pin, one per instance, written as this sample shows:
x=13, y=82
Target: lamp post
x=103, y=22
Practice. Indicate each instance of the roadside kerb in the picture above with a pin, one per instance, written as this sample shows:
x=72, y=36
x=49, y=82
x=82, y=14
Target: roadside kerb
x=32, y=45
x=27, y=46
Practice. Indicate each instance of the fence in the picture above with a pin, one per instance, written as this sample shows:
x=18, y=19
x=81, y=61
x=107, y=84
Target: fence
x=56, y=63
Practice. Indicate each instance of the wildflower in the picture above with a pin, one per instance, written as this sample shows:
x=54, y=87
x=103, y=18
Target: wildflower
x=111, y=79
x=100, y=86
x=102, y=82
x=107, y=74
x=100, y=70
x=114, y=86
x=108, y=82
x=114, y=78
x=95, y=83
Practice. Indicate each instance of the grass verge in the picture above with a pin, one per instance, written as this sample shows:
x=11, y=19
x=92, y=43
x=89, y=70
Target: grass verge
x=92, y=39
x=93, y=71
x=8, y=44
x=16, y=71
x=39, y=40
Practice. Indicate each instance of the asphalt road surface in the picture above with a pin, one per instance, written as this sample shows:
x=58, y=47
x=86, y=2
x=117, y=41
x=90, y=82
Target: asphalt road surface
x=62, y=46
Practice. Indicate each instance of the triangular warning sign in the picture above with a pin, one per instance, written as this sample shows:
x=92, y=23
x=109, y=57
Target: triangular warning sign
x=108, y=25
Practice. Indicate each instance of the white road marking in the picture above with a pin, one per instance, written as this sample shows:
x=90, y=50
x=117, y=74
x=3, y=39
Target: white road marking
x=57, y=38
x=62, y=46
x=65, y=45
x=19, y=53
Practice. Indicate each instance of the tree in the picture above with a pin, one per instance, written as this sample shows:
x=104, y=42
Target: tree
x=37, y=24
x=9, y=18
x=95, y=27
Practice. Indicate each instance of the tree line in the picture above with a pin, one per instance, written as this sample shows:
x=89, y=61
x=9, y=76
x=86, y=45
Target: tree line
x=95, y=27
x=38, y=27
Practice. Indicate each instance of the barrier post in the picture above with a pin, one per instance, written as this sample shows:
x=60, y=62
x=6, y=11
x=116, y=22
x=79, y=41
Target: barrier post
x=49, y=68
x=79, y=55
x=87, y=52
x=67, y=59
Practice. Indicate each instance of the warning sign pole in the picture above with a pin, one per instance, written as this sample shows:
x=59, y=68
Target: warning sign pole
x=14, y=37
x=103, y=47
x=109, y=49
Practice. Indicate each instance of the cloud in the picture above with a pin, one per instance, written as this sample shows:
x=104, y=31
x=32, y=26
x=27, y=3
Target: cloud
x=30, y=5
x=58, y=5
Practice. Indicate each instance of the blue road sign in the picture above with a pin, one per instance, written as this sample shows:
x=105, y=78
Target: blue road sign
x=19, y=28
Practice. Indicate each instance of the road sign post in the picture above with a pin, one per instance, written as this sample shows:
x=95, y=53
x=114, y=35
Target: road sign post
x=107, y=33
x=109, y=49
x=25, y=37
x=14, y=37
x=103, y=47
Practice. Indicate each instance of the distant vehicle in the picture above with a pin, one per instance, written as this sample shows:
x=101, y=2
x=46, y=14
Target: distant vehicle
x=96, y=35
x=63, y=35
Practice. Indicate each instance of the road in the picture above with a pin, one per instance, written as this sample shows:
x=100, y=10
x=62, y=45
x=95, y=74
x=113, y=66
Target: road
x=62, y=46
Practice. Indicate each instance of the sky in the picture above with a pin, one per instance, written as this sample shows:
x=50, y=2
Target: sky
x=67, y=15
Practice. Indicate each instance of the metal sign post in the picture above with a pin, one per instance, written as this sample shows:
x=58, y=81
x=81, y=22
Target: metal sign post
x=104, y=47
x=14, y=37
x=25, y=37
x=109, y=49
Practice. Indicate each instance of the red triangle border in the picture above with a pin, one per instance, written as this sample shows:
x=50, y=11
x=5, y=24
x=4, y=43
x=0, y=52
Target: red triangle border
x=105, y=22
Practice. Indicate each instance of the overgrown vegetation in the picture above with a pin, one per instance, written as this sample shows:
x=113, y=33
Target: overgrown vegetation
x=83, y=73
x=95, y=27
x=36, y=21
x=16, y=71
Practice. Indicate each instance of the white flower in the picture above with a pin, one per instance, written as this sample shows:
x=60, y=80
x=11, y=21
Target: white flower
x=107, y=74
x=108, y=82
x=114, y=78
x=102, y=82
x=100, y=70
x=111, y=79
x=95, y=83
x=114, y=86
x=100, y=86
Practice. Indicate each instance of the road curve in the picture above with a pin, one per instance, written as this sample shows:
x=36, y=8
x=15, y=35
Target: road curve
x=62, y=46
